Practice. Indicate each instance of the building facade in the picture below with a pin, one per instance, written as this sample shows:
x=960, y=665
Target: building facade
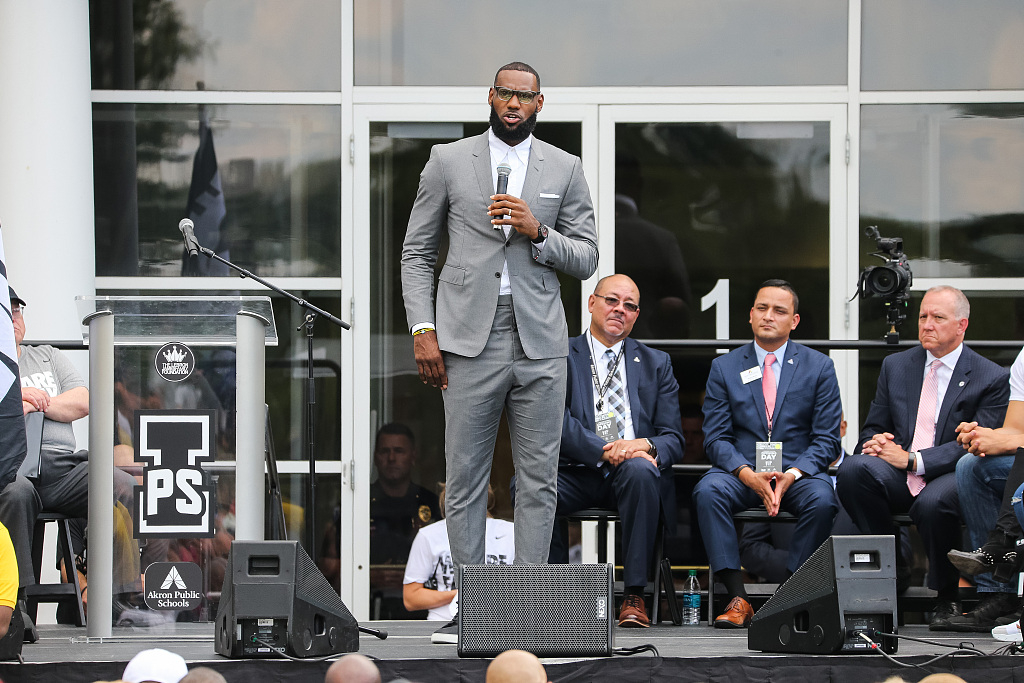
x=724, y=143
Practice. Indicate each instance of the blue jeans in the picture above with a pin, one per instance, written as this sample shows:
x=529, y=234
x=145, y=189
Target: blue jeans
x=980, y=482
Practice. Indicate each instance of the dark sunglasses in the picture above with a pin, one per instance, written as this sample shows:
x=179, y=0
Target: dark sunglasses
x=613, y=302
x=505, y=94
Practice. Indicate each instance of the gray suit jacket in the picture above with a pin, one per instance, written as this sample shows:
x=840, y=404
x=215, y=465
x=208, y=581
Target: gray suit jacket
x=454, y=193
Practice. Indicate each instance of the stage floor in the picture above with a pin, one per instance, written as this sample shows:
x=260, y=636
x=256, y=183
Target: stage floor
x=686, y=654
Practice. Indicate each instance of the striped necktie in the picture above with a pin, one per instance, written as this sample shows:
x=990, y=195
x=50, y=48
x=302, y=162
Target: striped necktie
x=924, y=430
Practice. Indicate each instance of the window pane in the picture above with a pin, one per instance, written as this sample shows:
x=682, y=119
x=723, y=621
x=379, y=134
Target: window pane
x=660, y=42
x=279, y=172
x=942, y=45
x=224, y=44
x=948, y=180
x=743, y=202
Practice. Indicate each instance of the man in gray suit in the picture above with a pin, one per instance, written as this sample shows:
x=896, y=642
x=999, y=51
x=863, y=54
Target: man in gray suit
x=499, y=337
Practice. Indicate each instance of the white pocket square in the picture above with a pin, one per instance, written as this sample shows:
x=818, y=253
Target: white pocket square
x=546, y=195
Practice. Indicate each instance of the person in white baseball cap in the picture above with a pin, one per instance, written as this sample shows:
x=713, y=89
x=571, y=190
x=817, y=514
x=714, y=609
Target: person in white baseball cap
x=155, y=666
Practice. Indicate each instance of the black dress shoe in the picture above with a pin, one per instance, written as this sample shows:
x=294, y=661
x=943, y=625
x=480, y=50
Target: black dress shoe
x=983, y=618
x=943, y=612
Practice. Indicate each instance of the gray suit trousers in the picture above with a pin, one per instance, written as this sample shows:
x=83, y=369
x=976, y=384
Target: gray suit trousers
x=532, y=392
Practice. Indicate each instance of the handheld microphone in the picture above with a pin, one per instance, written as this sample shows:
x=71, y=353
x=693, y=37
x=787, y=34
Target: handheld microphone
x=187, y=228
x=503, y=172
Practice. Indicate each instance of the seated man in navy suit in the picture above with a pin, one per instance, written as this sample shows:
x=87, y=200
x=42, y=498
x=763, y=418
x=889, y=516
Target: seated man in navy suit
x=771, y=426
x=620, y=435
x=906, y=461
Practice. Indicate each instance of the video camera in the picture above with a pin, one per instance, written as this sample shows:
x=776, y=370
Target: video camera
x=890, y=281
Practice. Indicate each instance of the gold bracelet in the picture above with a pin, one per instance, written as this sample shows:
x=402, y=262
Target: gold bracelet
x=425, y=329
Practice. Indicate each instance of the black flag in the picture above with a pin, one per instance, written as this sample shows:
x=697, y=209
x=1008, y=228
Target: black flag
x=12, y=416
x=206, y=205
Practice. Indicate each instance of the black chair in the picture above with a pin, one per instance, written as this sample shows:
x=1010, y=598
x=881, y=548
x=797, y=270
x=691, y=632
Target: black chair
x=661, y=567
x=51, y=592
x=70, y=592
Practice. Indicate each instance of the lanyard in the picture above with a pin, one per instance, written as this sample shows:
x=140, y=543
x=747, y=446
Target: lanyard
x=603, y=388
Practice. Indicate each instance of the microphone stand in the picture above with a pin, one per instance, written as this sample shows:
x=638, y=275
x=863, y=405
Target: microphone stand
x=312, y=312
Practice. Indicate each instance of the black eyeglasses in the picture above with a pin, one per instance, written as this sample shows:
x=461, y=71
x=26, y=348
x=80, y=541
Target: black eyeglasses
x=505, y=94
x=613, y=302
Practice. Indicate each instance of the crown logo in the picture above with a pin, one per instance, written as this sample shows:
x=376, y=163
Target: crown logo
x=175, y=355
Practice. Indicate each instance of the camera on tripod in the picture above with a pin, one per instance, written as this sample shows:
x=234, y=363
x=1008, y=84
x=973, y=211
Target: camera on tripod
x=890, y=281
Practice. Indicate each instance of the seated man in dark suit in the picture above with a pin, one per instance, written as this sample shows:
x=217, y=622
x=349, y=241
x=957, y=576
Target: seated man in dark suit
x=772, y=397
x=620, y=434
x=906, y=460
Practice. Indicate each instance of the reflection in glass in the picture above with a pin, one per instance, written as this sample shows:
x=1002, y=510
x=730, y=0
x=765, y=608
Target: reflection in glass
x=942, y=45
x=285, y=376
x=947, y=178
x=280, y=174
x=700, y=202
x=224, y=44
x=658, y=42
x=398, y=153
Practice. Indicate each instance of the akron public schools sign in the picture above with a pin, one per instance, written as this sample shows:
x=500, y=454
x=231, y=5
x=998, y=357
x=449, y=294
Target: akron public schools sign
x=176, y=499
x=174, y=586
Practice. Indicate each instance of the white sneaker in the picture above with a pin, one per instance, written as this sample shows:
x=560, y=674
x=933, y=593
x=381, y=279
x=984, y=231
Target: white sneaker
x=1010, y=633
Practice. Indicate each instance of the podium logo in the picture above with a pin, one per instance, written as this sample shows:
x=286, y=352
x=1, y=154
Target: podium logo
x=175, y=362
x=173, y=577
x=175, y=499
x=181, y=586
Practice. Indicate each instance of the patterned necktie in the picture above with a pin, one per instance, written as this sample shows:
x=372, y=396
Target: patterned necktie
x=924, y=430
x=768, y=387
x=616, y=397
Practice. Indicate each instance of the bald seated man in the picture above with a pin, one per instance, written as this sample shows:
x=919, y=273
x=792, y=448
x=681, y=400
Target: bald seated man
x=516, y=666
x=353, y=668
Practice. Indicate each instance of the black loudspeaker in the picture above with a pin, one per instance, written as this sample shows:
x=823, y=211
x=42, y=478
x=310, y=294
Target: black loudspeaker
x=274, y=595
x=551, y=610
x=846, y=587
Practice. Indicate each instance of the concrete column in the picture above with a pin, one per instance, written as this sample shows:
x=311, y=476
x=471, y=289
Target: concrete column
x=46, y=170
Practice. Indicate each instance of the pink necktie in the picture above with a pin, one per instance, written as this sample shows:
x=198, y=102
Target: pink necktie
x=768, y=387
x=924, y=430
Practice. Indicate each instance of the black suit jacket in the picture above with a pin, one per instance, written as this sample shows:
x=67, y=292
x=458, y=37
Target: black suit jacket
x=978, y=391
x=653, y=403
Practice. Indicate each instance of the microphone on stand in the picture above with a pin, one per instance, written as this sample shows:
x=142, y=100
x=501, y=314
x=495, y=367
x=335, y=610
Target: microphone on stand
x=187, y=228
x=503, y=172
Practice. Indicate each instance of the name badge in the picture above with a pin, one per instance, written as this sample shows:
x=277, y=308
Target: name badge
x=605, y=427
x=768, y=456
x=748, y=376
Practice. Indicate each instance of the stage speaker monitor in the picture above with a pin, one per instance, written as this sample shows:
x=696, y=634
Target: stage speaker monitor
x=551, y=610
x=274, y=595
x=847, y=586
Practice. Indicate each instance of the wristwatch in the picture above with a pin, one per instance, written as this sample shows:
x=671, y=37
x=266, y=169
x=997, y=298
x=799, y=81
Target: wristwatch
x=542, y=234
x=912, y=461
x=652, y=449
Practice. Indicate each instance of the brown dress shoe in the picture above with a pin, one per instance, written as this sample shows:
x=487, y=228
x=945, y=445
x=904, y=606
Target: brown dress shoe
x=736, y=615
x=633, y=614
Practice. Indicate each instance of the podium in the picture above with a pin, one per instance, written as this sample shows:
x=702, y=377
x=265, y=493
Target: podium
x=243, y=322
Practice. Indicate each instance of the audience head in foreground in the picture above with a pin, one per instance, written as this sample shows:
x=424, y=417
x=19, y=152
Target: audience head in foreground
x=516, y=666
x=155, y=666
x=353, y=668
x=203, y=674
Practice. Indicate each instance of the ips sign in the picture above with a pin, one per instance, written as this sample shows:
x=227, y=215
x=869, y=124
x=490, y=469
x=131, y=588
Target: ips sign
x=175, y=499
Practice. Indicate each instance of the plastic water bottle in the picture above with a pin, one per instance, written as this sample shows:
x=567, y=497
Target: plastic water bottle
x=691, y=600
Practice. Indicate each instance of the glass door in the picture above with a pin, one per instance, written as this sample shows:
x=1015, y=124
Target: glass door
x=708, y=202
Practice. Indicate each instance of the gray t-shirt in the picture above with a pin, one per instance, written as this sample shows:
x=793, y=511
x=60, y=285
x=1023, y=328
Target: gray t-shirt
x=46, y=368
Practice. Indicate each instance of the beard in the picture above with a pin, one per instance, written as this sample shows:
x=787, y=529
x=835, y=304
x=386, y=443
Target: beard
x=512, y=136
